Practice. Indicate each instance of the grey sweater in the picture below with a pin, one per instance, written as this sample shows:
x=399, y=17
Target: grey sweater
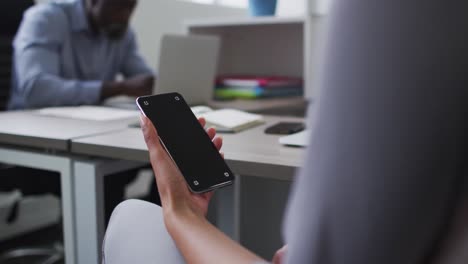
x=387, y=162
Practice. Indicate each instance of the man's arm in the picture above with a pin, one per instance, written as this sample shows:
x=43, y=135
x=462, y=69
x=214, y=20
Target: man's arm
x=36, y=54
x=389, y=144
x=133, y=63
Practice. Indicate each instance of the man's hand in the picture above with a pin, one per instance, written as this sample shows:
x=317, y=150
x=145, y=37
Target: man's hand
x=135, y=86
x=138, y=85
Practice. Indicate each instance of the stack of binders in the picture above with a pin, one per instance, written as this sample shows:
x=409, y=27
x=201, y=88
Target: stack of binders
x=253, y=87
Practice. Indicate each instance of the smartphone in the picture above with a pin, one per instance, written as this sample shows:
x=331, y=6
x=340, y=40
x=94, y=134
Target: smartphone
x=187, y=142
x=285, y=128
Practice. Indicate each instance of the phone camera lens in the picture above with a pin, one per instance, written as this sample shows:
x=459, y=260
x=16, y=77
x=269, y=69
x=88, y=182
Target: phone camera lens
x=146, y=102
x=177, y=98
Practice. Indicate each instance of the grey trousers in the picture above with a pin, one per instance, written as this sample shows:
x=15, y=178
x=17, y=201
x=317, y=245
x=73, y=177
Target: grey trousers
x=136, y=234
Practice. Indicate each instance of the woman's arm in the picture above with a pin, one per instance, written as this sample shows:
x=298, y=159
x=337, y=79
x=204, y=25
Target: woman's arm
x=184, y=212
x=201, y=242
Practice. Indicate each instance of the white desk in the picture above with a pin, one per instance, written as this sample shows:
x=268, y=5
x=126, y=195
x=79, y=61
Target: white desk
x=29, y=129
x=83, y=152
x=250, y=152
x=35, y=141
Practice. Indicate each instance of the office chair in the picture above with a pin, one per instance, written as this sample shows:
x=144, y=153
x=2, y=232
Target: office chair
x=150, y=230
x=20, y=215
x=11, y=12
x=5, y=70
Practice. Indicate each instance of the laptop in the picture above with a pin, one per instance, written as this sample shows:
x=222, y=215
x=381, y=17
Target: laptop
x=187, y=65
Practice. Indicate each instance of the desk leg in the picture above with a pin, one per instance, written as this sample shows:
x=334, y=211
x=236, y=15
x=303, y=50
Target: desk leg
x=61, y=165
x=89, y=197
x=237, y=209
x=263, y=203
x=227, y=209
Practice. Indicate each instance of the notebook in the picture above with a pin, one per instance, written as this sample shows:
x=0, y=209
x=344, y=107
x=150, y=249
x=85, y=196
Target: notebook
x=300, y=139
x=229, y=120
x=224, y=120
x=262, y=81
x=91, y=113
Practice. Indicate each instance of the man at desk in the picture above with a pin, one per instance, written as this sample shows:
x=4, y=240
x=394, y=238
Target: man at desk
x=70, y=53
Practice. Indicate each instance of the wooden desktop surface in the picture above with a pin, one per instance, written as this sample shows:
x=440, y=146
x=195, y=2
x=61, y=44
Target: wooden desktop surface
x=29, y=129
x=250, y=152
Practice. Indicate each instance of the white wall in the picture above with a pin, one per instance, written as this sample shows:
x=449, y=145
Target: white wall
x=288, y=8
x=302, y=7
x=153, y=18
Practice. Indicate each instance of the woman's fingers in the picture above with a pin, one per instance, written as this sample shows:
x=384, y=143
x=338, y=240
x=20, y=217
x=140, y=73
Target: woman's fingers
x=218, y=142
x=208, y=195
x=154, y=145
x=211, y=132
x=278, y=258
x=202, y=121
x=151, y=137
x=149, y=132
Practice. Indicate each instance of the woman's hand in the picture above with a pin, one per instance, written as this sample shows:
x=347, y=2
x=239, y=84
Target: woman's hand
x=184, y=212
x=279, y=256
x=173, y=190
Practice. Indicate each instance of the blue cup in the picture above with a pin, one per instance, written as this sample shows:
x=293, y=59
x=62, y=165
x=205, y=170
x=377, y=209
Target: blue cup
x=262, y=7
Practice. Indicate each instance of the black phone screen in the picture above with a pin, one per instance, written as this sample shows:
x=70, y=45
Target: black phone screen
x=186, y=141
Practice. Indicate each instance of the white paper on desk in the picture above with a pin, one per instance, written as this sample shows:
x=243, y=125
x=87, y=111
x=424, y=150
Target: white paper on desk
x=231, y=119
x=300, y=139
x=92, y=113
